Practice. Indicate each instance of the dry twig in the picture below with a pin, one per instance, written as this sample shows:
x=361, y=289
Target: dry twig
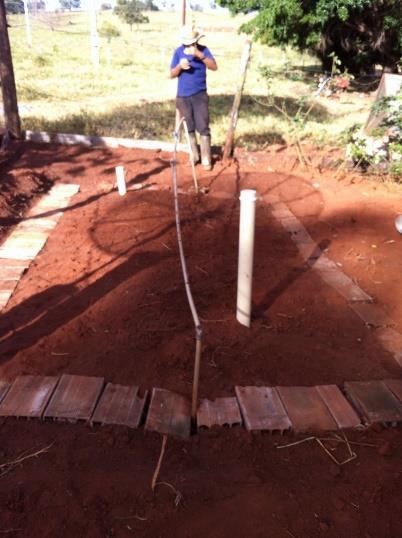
x=337, y=439
x=158, y=467
x=201, y=270
x=131, y=517
x=296, y=442
x=178, y=494
x=352, y=455
x=10, y=465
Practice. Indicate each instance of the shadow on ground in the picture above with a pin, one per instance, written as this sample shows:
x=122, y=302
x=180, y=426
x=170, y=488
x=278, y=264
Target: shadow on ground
x=129, y=320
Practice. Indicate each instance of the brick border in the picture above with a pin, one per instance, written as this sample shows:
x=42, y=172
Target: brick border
x=29, y=236
x=321, y=408
x=359, y=301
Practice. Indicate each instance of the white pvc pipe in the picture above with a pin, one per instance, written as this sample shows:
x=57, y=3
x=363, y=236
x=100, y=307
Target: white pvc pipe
x=248, y=198
x=121, y=182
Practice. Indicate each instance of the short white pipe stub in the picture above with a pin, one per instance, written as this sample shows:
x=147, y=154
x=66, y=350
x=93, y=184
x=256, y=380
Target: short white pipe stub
x=248, y=198
x=121, y=182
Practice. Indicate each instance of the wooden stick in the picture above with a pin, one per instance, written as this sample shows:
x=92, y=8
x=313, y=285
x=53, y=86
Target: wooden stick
x=228, y=148
x=297, y=442
x=23, y=458
x=196, y=377
x=158, y=467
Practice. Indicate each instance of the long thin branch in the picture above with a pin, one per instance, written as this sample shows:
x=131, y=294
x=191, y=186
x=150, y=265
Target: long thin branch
x=21, y=459
x=300, y=153
x=158, y=467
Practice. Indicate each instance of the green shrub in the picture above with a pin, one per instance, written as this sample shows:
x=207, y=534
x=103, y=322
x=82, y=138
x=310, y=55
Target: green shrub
x=382, y=149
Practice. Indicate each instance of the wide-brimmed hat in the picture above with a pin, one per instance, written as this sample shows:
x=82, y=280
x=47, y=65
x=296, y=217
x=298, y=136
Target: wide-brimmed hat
x=189, y=35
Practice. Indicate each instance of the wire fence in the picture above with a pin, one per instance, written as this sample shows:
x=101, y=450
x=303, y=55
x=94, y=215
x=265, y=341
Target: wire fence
x=130, y=94
x=56, y=79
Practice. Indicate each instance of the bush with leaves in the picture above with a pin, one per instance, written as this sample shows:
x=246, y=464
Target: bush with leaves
x=362, y=33
x=108, y=31
x=381, y=150
x=130, y=12
x=296, y=118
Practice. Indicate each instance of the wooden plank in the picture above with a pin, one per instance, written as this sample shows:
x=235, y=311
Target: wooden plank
x=345, y=286
x=120, y=405
x=16, y=251
x=306, y=409
x=395, y=386
x=52, y=204
x=322, y=263
x=37, y=224
x=262, y=409
x=219, y=412
x=8, y=285
x=169, y=413
x=4, y=388
x=43, y=212
x=391, y=340
x=11, y=273
x=28, y=396
x=302, y=237
x=29, y=237
x=75, y=397
x=64, y=190
x=341, y=410
x=4, y=298
x=292, y=225
x=22, y=247
x=10, y=263
x=374, y=401
x=372, y=315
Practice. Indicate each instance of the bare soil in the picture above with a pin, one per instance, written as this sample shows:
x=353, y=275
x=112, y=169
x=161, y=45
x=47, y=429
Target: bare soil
x=105, y=297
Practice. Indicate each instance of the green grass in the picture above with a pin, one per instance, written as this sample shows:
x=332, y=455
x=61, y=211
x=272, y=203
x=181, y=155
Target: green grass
x=131, y=94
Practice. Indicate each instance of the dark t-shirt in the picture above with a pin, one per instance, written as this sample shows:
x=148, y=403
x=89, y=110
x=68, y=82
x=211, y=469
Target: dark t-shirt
x=193, y=80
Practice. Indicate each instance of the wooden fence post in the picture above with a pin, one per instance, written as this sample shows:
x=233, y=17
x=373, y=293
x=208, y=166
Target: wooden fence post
x=228, y=148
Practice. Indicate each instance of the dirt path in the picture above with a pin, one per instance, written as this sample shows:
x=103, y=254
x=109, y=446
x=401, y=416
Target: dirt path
x=105, y=297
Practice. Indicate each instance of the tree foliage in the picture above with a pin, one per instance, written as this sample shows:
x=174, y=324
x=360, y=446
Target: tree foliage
x=130, y=12
x=361, y=33
x=70, y=4
x=109, y=31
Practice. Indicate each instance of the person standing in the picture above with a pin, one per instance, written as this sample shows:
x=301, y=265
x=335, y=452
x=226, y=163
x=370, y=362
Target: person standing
x=189, y=64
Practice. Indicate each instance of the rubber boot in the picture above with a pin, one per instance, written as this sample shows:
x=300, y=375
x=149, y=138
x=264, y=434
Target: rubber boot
x=194, y=148
x=206, y=152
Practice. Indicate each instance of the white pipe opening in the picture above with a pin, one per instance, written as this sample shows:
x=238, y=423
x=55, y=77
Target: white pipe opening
x=248, y=198
x=121, y=182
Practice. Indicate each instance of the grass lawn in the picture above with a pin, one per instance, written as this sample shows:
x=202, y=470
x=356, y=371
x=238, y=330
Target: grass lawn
x=131, y=94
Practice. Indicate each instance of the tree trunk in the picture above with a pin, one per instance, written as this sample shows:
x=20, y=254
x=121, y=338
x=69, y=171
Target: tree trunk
x=9, y=92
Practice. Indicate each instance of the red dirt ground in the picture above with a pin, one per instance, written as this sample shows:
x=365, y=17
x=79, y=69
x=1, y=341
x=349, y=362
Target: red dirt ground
x=105, y=297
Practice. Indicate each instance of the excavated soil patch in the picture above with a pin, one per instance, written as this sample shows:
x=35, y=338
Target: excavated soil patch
x=105, y=297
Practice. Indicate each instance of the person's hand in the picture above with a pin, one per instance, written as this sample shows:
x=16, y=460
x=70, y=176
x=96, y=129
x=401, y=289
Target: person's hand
x=184, y=64
x=199, y=54
x=190, y=50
